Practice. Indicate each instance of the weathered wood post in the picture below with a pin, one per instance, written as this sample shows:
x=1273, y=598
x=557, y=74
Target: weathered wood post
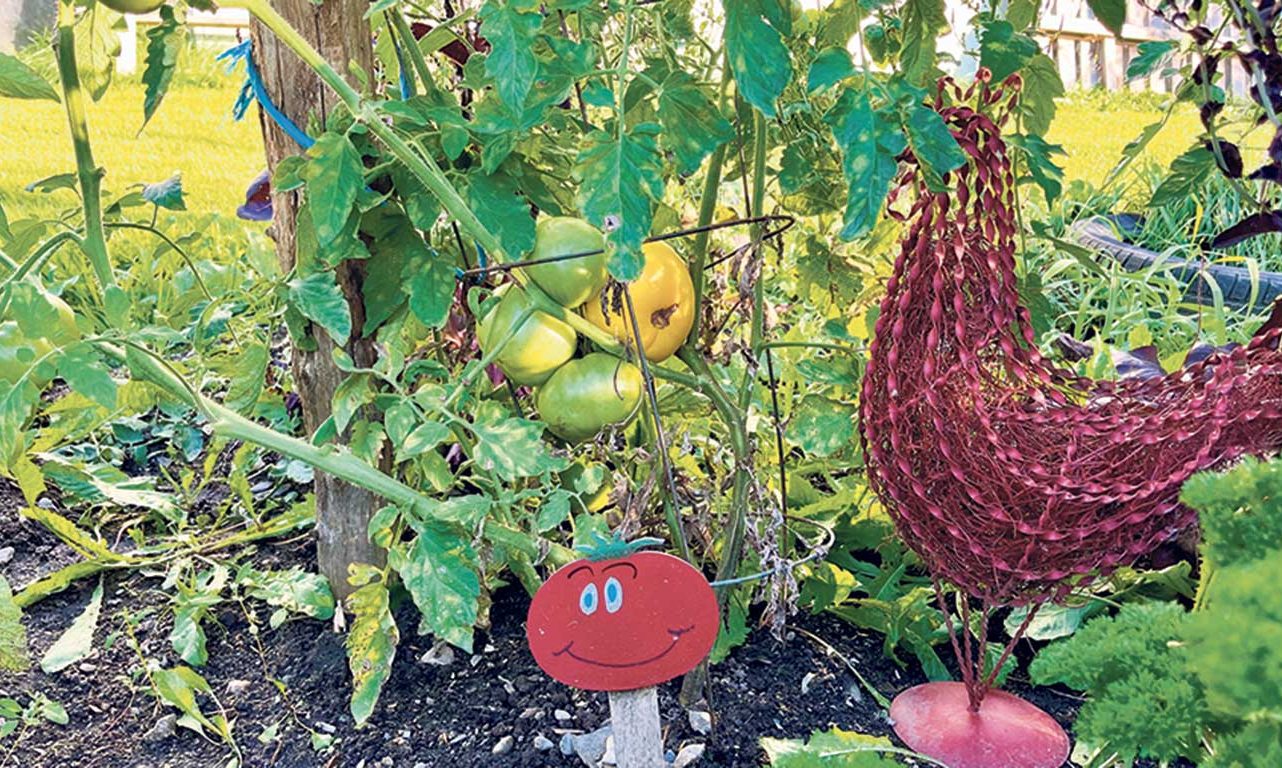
x=338, y=30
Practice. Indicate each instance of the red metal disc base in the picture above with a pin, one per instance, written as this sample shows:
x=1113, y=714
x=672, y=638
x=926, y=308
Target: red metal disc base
x=1007, y=732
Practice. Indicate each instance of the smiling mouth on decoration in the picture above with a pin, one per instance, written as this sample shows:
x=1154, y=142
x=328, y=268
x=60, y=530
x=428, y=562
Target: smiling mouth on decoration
x=676, y=636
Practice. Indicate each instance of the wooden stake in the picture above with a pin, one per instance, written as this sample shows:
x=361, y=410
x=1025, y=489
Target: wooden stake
x=634, y=721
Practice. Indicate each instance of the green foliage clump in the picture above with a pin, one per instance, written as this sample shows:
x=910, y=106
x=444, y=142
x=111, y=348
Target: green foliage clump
x=1240, y=511
x=1235, y=645
x=1143, y=700
x=1205, y=685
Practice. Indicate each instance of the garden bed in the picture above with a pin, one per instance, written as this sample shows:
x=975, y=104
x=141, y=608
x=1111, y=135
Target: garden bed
x=440, y=716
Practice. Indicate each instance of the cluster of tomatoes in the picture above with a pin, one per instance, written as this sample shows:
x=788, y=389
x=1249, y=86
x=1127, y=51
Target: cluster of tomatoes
x=578, y=397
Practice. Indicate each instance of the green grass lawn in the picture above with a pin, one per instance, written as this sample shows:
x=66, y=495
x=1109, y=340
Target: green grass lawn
x=192, y=133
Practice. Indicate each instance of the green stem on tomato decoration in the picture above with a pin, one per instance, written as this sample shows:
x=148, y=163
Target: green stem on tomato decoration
x=87, y=172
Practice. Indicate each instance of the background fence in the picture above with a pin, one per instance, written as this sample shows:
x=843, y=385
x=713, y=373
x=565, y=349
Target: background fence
x=1086, y=53
x=1089, y=56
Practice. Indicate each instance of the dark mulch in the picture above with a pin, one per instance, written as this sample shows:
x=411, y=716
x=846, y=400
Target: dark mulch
x=429, y=716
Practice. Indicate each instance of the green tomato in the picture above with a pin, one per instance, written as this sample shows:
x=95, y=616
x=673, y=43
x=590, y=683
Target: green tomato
x=540, y=345
x=18, y=353
x=133, y=6
x=589, y=394
x=573, y=281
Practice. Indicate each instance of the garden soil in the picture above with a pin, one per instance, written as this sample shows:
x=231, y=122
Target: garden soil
x=431, y=715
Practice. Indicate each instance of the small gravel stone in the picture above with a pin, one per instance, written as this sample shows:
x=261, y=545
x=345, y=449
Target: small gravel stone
x=164, y=728
x=542, y=743
x=386, y=762
x=325, y=727
x=688, y=755
x=87, y=667
x=562, y=716
x=6, y=555
x=567, y=744
x=590, y=747
x=700, y=721
x=503, y=746
x=237, y=687
x=440, y=655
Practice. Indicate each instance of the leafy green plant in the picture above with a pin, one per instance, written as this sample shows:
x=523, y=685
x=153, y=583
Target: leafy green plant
x=16, y=719
x=833, y=748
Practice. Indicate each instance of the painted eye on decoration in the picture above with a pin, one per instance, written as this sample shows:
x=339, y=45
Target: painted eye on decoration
x=613, y=595
x=588, y=600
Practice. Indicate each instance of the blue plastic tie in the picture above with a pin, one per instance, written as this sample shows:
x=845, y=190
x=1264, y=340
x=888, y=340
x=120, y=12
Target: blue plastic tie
x=255, y=90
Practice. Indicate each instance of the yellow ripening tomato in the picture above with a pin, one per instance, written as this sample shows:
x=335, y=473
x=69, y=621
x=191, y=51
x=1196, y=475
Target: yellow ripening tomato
x=538, y=347
x=663, y=297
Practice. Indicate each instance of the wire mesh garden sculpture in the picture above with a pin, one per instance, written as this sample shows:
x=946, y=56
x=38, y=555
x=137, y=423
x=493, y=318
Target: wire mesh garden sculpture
x=1013, y=479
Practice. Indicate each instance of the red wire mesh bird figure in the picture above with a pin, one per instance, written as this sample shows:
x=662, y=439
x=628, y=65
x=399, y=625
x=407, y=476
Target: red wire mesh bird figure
x=1013, y=479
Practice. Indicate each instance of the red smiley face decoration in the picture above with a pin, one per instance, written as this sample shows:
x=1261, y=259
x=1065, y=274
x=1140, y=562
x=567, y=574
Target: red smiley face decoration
x=623, y=623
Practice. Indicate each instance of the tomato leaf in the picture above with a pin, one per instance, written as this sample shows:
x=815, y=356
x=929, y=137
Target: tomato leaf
x=758, y=57
x=1111, y=13
x=503, y=210
x=97, y=47
x=371, y=647
x=509, y=446
x=830, y=67
x=320, y=300
x=1041, y=87
x=1188, y=172
x=869, y=145
x=822, y=427
x=80, y=366
x=18, y=81
x=1149, y=57
x=334, y=176
x=622, y=178
x=923, y=20
x=511, y=61
x=164, y=42
x=554, y=509
x=440, y=573
x=1003, y=50
x=77, y=642
x=430, y=280
x=931, y=141
x=855, y=750
x=166, y=194
x=1041, y=168
x=692, y=125
x=245, y=376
